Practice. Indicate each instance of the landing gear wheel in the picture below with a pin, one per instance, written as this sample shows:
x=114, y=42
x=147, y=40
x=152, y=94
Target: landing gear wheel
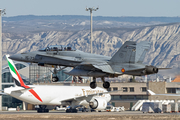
x=42, y=106
x=42, y=109
x=74, y=111
x=55, y=79
x=106, y=85
x=71, y=111
x=68, y=111
x=93, y=85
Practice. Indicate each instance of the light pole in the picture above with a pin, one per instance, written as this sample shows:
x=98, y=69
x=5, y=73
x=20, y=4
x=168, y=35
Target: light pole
x=2, y=12
x=91, y=9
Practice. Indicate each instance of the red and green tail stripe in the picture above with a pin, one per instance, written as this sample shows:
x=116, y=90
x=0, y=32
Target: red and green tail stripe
x=18, y=78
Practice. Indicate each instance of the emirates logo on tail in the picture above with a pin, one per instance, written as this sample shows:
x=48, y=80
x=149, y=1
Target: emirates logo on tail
x=18, y=79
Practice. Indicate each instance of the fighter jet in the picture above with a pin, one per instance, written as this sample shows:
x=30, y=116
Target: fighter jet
x=127, y=60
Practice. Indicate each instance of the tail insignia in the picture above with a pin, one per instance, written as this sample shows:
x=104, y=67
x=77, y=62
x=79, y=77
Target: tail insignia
x=122, y=70
x=18, y=79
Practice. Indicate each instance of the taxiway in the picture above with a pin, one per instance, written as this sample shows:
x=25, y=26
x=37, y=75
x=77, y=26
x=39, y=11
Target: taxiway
x=57, y=115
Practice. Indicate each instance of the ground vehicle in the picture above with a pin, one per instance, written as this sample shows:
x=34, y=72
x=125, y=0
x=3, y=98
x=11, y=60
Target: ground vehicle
x=111, y=108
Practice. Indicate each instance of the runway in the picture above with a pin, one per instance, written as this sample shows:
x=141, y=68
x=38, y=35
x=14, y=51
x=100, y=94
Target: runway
x=57, y=115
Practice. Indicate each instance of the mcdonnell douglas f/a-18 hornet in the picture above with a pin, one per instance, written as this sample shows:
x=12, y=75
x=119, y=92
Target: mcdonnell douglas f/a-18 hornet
x=127, y=60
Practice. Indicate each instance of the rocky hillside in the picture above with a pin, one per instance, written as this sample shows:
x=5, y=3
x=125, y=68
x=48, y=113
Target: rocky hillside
x=164, y=50
x=30, y=23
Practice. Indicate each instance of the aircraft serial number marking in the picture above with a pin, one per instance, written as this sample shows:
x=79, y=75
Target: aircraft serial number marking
x=29, y=58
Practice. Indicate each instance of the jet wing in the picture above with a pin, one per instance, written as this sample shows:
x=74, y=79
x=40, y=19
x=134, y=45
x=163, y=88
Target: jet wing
x=104, y=66
x=87, y=97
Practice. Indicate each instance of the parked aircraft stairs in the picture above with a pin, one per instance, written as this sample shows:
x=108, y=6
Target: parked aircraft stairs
x=139, y=103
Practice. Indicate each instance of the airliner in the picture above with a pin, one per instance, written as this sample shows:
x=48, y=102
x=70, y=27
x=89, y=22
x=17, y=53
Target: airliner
x=44, y=95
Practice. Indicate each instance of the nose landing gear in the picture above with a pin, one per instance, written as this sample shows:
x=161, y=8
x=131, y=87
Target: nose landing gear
x=55, y=79
x=55, y=71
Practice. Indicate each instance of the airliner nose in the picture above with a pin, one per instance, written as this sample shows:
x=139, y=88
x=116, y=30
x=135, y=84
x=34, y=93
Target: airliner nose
x=17, y=57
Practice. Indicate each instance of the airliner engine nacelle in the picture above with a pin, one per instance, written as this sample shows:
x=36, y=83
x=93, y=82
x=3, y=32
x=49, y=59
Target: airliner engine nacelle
x=151, y=70
x=98, y=104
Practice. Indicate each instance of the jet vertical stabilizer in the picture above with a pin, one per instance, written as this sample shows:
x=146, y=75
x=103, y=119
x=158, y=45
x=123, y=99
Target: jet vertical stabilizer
x=126, y=54
x=141, y=50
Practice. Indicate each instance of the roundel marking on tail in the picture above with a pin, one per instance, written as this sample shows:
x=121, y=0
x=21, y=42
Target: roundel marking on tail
x=122, y=70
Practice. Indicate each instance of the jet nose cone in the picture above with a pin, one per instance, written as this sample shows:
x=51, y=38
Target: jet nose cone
x=17, y=57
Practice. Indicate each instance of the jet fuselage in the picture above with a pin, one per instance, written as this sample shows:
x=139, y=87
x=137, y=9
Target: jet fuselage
x=61, y=58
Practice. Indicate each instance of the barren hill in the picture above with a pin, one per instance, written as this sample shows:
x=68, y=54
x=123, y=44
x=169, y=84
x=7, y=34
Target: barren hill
x=164, y=51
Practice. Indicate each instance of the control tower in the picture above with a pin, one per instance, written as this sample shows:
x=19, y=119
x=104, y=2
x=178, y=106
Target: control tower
x=2, y=11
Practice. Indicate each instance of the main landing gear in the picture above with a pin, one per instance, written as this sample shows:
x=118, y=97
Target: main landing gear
x=42, y=109
x=55, y=71
x=55, y=79
x=71, y=110
x=93, y=84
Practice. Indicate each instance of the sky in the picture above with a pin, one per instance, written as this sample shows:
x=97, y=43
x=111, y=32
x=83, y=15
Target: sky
x=114, y=8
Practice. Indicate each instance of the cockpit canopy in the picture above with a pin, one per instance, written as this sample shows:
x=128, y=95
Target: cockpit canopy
x=58, y=48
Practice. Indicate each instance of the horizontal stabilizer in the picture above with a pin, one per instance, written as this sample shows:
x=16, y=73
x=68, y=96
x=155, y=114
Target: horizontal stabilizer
x=164, y=68
x=21, y=89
